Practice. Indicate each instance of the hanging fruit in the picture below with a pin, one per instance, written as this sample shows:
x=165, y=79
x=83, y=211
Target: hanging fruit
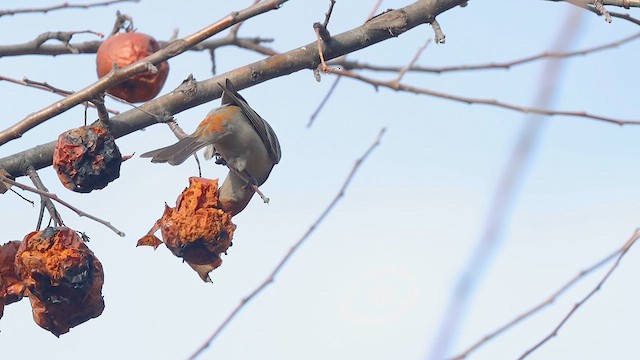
x=124, y=49
x=11, y=287
x=87, y=158
x=62, y=277
x=196, y=230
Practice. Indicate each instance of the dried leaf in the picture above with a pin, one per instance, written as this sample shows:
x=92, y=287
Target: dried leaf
x=149, y=240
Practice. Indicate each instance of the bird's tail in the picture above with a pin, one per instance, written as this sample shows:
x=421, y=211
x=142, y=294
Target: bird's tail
x=177, y=153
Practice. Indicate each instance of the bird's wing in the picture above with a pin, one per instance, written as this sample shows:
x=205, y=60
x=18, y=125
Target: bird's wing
x=262, y=127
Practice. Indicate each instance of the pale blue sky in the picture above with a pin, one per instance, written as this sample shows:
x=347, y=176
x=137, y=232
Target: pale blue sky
x=373, y=280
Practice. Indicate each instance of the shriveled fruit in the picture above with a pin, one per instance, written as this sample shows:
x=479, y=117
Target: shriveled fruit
x=63, y=278
x=11, y=287
x=124, y=49
x=87, y=158
x=196, y=230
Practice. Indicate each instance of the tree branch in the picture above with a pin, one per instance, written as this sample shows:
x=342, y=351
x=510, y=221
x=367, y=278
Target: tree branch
x=191, y=94
x=591, y=6
x=620, y=3
x=504, y=197
x=625, y=248
x=47, y=87
x=357, y=65
x=45, y=202
x=62, y=6
x=534, y=310
x=91, y=47
x=492, y=102
x=148, y=64
x=54, y=197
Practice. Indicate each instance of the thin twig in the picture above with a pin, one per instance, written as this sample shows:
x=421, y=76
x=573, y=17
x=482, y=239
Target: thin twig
x=271, y=278
x=117, y=76
x=490, y=102
x=324, y=100
x=62, y=6
x=356, y=65
x=103, y=115
x=55, y=198
x=122, y=22
x=47, y=87
x=37, y=43
x=503, y=198
x=587, y=5
x=624, y=250
x=44, y=200
x=534, y=310
x=22, y=197
x=620, y=3
x=437, y=30
x=412, y=62
x=601, y=9
x=323, y=64
x=327, y=15
x=91, y=47
x=333, y=87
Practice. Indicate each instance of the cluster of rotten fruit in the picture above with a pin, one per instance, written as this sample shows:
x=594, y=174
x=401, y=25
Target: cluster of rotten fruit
x=59, y=274
x=54, y=268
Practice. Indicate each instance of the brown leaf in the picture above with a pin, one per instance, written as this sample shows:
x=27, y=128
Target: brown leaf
x=149, y=240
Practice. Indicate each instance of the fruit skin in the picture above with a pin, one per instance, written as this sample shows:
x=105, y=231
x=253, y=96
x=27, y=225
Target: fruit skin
x=63, y=278
x=87, y=158
x=124, y=49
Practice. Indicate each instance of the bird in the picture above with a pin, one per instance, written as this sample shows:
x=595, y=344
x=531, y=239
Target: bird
x=239, y=138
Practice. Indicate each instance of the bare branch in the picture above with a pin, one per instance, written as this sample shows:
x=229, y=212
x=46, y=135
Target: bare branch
x=301, y=57
x=333, y=87
x=616, y=15
x=91, y=47
x=492, y=102
x=601, y=9
x=271, y=278
x=119, y=75
x=327, y=15
x=412, y=62
x=37, y=45
x=534, y=310
x=62, y=6
x=44, y=200
x=440, y=37
x=504, y=197
x=620, y=3
x=624, y=250
x=55, y=198
x=103, y=115
x=357, y=65
x=591, y=6
x=47, y=87
x=324, y=101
